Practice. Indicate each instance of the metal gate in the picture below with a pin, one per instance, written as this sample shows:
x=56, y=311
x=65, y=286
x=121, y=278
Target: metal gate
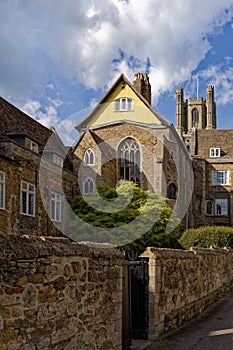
x=139, y=299
x=135, y=302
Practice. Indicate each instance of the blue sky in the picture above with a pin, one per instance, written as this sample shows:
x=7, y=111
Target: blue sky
x=58, y=57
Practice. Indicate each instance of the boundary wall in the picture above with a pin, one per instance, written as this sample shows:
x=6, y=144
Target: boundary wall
x=56, y=294
x=182, y=284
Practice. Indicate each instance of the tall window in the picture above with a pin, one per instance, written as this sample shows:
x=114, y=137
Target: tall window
x=2, y=190
x=220, y=177
x=221, y=206
x=124, y=104
x=55, y=206
x=129, y=154
x=88, y=186
x=27, y=198
x=195, y=117
x=89, y=157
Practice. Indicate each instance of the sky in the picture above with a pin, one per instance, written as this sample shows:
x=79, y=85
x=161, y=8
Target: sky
x=59, y=57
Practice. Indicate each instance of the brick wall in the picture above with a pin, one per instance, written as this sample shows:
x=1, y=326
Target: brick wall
x=55, y=294
x=182, y=284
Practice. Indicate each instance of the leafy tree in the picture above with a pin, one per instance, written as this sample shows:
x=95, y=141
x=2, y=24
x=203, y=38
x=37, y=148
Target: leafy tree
x=128, y=217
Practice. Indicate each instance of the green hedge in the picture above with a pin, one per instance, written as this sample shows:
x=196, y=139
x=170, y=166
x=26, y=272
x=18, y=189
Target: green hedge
x=207, y=236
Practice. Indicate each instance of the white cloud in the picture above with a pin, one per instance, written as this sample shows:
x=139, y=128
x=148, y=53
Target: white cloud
x=92, y=41
x=221, y=76
x=48, y=116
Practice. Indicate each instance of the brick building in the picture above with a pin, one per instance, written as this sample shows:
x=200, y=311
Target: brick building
x=32, y=195
x=211, y=151
x=124, y=138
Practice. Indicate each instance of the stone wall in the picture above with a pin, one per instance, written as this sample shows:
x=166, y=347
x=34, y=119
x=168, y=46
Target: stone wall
x=55, y=294
x=182, y=284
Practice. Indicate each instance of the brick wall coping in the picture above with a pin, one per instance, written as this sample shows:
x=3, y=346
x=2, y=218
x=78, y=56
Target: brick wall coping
x=26, y=247
x=154, y=253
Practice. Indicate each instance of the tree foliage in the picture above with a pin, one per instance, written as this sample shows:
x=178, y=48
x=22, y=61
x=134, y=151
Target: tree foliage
x=138, y=217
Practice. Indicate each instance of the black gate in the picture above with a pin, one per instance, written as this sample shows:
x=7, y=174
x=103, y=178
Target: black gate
x=139, y=299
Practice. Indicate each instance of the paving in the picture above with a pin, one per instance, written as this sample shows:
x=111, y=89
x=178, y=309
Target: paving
x=213, y=330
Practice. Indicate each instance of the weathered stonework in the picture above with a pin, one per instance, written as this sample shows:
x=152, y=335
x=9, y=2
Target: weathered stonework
x=182, y=284
x=55, y=294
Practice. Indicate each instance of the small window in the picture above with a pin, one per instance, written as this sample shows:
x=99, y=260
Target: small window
x=220, y=177
x=221, y=206
x=214, y=152
x=27, y=198
x=124, y=104
x=55, y=206
x=33, y=146
x=88, y=186
x=209, y=208
x=2, y=190
x=58, y=160
x=89, y=157
x=171, y=191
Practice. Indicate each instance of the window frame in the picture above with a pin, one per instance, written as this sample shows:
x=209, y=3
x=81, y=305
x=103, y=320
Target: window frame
x=123, y=104
x=129, y=154
x=57, y=202
x=215, y=152
x=89, y=181
x=57, y=160
x=29, y=194
x=3, y=191
x=87, y=157
x=222, y=207
x=220, y=177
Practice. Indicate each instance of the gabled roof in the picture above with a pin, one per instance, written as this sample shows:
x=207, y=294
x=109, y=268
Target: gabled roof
x=14, y=122
x=121, y=79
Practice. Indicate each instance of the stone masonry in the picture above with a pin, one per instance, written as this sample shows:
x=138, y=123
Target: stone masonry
x=182, y=284
x=55, y=294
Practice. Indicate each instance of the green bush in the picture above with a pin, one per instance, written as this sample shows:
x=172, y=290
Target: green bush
x=207, y=236
x=145, y=206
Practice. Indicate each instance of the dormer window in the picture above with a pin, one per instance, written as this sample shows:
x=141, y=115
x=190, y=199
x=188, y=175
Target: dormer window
x=214, y=152
x=124, y=104
x=58, y=160
x=33, y=146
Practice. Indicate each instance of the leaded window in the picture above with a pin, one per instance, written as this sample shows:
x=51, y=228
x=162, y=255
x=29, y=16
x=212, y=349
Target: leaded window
x=89, y=157
x=129, y=154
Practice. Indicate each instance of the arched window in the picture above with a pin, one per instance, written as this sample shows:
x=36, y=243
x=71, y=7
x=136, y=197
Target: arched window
x=88, y=186
x=171, y=191
x=209, y=208
x=195, y=117
x=129, y=154
x=89, y=157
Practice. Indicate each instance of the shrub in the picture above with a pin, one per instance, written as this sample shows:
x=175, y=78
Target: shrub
x=207, y=236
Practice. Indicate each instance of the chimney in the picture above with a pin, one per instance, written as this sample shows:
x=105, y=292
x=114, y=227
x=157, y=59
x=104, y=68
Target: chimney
x=142, y=85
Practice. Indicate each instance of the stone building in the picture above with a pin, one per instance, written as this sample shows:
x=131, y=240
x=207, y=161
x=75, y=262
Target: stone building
x=211, y=151
x=31, y=199
x=125, y=138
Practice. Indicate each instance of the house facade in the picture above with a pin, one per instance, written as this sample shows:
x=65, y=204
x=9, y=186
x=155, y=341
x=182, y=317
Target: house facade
x=211, y=151
x=125, y=138
x=32, y=196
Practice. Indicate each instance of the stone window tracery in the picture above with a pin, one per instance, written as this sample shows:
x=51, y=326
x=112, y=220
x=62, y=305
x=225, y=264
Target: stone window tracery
x=129, y=154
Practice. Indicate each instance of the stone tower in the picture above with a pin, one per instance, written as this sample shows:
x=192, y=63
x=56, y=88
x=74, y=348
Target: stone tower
x=194, y=114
